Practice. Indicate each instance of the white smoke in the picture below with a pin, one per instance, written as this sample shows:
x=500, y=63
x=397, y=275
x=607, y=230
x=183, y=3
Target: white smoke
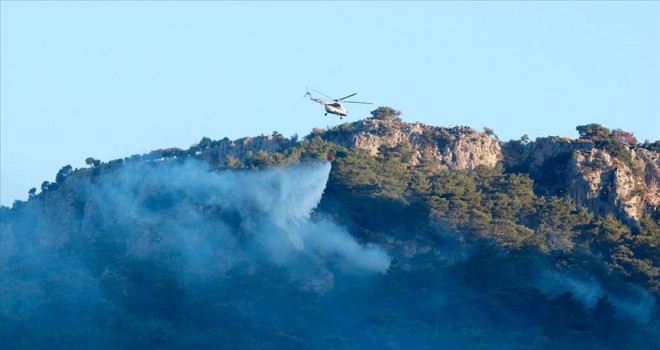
x=636, y=303
x=205, y=215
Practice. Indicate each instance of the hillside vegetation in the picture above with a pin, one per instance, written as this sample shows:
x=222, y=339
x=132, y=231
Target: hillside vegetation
x=523, y=244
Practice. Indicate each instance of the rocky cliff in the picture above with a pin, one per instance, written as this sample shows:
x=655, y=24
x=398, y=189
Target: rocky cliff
x=624, y=184
x=457, y=148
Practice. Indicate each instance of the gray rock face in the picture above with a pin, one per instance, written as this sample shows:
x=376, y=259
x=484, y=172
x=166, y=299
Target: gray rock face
x=606, y=184
x=593, y=177
x=457, y=148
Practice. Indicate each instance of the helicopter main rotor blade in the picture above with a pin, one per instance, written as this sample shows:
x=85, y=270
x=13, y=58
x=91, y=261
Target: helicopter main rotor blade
x=322, y=93
x=351, y=95
x=364, y=103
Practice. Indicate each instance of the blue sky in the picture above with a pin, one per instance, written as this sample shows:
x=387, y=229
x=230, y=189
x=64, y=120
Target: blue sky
x=112, y=79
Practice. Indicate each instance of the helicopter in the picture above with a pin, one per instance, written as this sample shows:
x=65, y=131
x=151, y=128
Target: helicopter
x=333, y=106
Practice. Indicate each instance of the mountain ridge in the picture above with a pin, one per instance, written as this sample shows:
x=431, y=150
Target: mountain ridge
x=593, y=177
x=413, y=236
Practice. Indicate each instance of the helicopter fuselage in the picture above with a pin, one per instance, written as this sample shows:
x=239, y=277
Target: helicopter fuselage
x=332, y=107
x=335, y=108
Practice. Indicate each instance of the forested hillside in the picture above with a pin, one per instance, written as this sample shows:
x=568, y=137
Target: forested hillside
x=372, y=234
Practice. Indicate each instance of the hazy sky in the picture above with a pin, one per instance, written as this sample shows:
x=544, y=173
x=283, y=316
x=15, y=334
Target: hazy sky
x=112, y=79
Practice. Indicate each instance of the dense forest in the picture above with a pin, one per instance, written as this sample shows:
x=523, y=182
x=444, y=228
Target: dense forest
x=318, y=245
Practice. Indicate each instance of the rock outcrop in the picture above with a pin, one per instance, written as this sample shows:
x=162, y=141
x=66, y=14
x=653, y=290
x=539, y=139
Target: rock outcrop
x=606, y=184
x=457, y=148
x=593, y=177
